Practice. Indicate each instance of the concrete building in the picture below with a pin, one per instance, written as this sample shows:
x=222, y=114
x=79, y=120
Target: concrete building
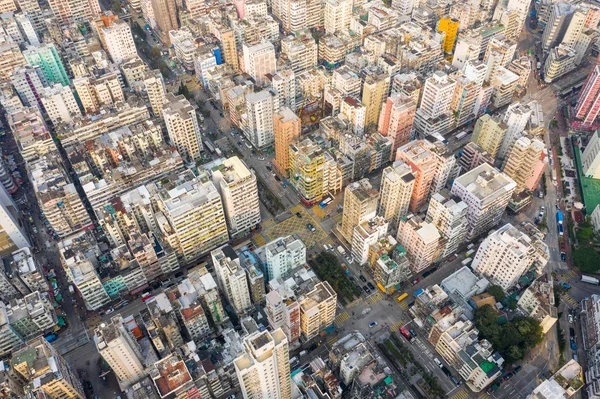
x=419, y=156
x=172, y=378
x=97, y=93
x=520, y=164
x=449, y=216
x=74, y=11
x=263, y=368
x=397, y=182
x=458, y=343
x=286, y=130
x=360, y=204
x=12, y=237
x=365, y=235
x=307, y=170
x=184, y=46
x=563, y=384
x=299, y=51
x=505, y=255
x=47, y=58
x=588, y=103
x=9, y=339
x=29, y=81
x=421, y=240
x=449, y=27
x=258, y=120
x=194, y=319
x=237, y=185
x=231, y=278
x=391, y=271
x=191, y=216
x=31, y=316
x=560, y=16
x=590, y=159
x=499, y=53
x=203, y=61
x=165, y=14
x=284, y=83
x=59, y=103
x=537, y=301
x=355, y=112
x=337, y=15
x=119, y=41
x=284, y=255
x=259, y=60
x=317, y=309
x=182, y=126
x=283, y=311
x=560, y=61
x=396, y=120
x=504, y=83
x=433, y=113
x=486, y=191
x=516, y=118
x=155, y=90
x=45, y=371
x=376, y=89
x=120, y=349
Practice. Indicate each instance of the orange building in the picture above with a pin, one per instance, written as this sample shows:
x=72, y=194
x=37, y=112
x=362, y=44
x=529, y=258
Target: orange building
x=286, y=129
x=450, y=27
x=423, y=163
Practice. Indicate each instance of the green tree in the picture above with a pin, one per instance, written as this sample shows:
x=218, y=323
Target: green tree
x=115, y=6
x=497, y=292
x=514, y=354
x=138, y=30
x=585, y=234
x=154, y=54
x=586, y=259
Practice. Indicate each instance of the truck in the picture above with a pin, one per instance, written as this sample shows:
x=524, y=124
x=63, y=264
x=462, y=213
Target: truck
x=341, y=250
x=590, y=280
x=460, y=135
x=218, y=151
x=469, y=253
x=51, y=337
x=559, y=217
x=404, y=331
x=466, y=261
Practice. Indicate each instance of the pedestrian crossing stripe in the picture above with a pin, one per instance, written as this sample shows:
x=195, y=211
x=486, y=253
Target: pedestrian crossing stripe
x=484, y=396
x=354, y=303
x=397, y=326
x=376, y=297
x=297, y=208
x=570, y=300
x=460, y=394
x=332, y=340
x=403, y=305
x=342, y=317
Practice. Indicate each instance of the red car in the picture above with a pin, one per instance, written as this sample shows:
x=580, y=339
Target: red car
x=416, y=281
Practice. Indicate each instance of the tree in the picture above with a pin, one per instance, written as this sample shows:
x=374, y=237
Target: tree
x=154, y=54
x=586, y=259
x=497, y=292
x=115, y=6
x=138, y=30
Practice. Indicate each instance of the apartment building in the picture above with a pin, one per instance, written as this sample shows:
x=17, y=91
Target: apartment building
x=258, y=121
x=286, y=130
x=118, y=41
x=397, y=182
x=182, y=126
x=421, y=240
x=299, y=51
x=366, y=234
x=337, y=15
x=505, y=255
x=588, y=103
x=31, y=316
x=30, y=132
x=9, y=339
x=284, y=255
x=59, y=103
x=231, y=278
x=165, y=15
x=376, y=89
x=516, y=118
x=449, y=215
x=389, y=271
x=420, y=157
x=46, y=57
x=96, y=93
x=283, y=311
x=12, y=237
x=307, y=170
x=120, y=349
x=237, y=185
x=520, y=164
x=360, y=204
x=182, y=42
x=486, y=191
x=259, y=60
x=433, y=113
x=396, y=120
x=317, y=309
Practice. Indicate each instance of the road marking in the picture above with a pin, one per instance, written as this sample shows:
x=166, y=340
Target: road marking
x=374, y=298
x=463, y=393
x=342, y=317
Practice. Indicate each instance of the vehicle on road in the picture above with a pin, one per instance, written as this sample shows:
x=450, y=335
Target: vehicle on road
x=590, y=280
x=402, y=297
x=269, y=168
x=371, y=286
x=517, y=369
x=71, y=289
x=404, y=331
x=365, y=289
x=221, y=114
x=373, y=324
x=413, y=332
x=310, y=227
x=437, y=361
x=563, y=256
x=571, y=319
x=298, y=215
x=362, y=278
x=559, y=217
x=109, y=311
x=416, y=281
x=573, y=345
x=146, y=296
x=341, y=250
x=571, y=331
x=561, y=230
x=566, y=286
x=508, y=376
x=466, y=261
x=452, y=258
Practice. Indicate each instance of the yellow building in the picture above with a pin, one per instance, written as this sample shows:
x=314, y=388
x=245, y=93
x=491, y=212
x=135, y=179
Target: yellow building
x=306, y=163
x=488, y=134
x=317, y=309
x=46, y=371
x=286, y=130
x=450, y=27
x=375, y=92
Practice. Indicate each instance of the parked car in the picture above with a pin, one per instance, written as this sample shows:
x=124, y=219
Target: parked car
x=573, y=345
x=416, y=281
x=371, y=286
x=563, y=256
x=517, y=369
x=571, y=319
x=373, y=324
x=572, y=331
x=365, y=289
x=362, y=278
x=310, y=227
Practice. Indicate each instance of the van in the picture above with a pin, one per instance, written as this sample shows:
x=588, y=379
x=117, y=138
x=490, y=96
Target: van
x=437, y=361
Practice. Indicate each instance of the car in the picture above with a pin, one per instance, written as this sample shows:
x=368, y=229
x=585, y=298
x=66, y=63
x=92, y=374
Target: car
x=310, y=227
x=450, y=259
x=563, y=256
x=89, y=386
x=366, y=289
x=269, y=168
x=508, y=376
x=413, y=333
x=455, y=380
x=416, y=281
x=239, y=143
x=231, y=397
x=221, y=114
x=371, y=286
x=348, y=259
x=373, y=324
x=437, y=361
x=571, y=319
x=109, y=311
x=298, y=215
x=541, y=194
x=517, y=369
x=362, y=278
x=571, y=331
x=427, y=273
x=261, y=158
x=353, y=280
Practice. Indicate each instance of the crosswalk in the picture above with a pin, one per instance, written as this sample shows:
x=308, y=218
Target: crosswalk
x=297, y=208
x=374, y=298
x=569, y=300
x=462, y=393
x=259, y=240
x=342, y=317
x=483, y=395
x=332, y=340
x=355, y=302
x=268, y=223
x=404, y=305
x=567, y=275
x=397, y=326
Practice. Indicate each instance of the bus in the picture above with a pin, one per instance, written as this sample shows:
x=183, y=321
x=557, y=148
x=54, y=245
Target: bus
x=402, y=297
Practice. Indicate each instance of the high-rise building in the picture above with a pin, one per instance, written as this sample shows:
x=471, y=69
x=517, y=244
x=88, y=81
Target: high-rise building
x=396, y=120
x=505, y=255
x=231, y=278
x=29, y=81
x=6, y=179
x=355, y=113
x=466, y=102
x=286, y=130
x=259, y=60
x=516, y=118
x=59, y=103
x=307, y=170
x=317, y=309
x=423, y=162
x=560, y=15
x=165, y=14
x=74, y=11
x=31, y=316
x=12, y=237
x=486, y=191
x=284, y=255
x=283, y=311
x=520, y=163
x=300, y=51
x=397, y=182
x=155, y=90
x=433, y=113
x=360, y=204
x=191, y=214
x=120, y=349
x=95, y=93
x=182, y=126
x=449, y=216
x=473, y=156
x=449, y=27
x=376, y=89
x=260, y=108
x=47, y=58
x=421, y=240
x=588, y=103
x=119, y=41
x=488, y=134
x=337, y=15
x=590, y=158
x=239, y=191
x=284, y=82
x=499, y=53
x=45, y=371
x=263, y=368
x=365, y=235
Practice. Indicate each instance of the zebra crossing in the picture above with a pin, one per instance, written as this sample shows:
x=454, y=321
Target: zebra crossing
x=259, y=240
x=397, y=326
x=567, y=275
x=569, y=300
x=462, y=393
x=374, y=298
x=404, y=305
x=332, y=340
x=342, y=317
